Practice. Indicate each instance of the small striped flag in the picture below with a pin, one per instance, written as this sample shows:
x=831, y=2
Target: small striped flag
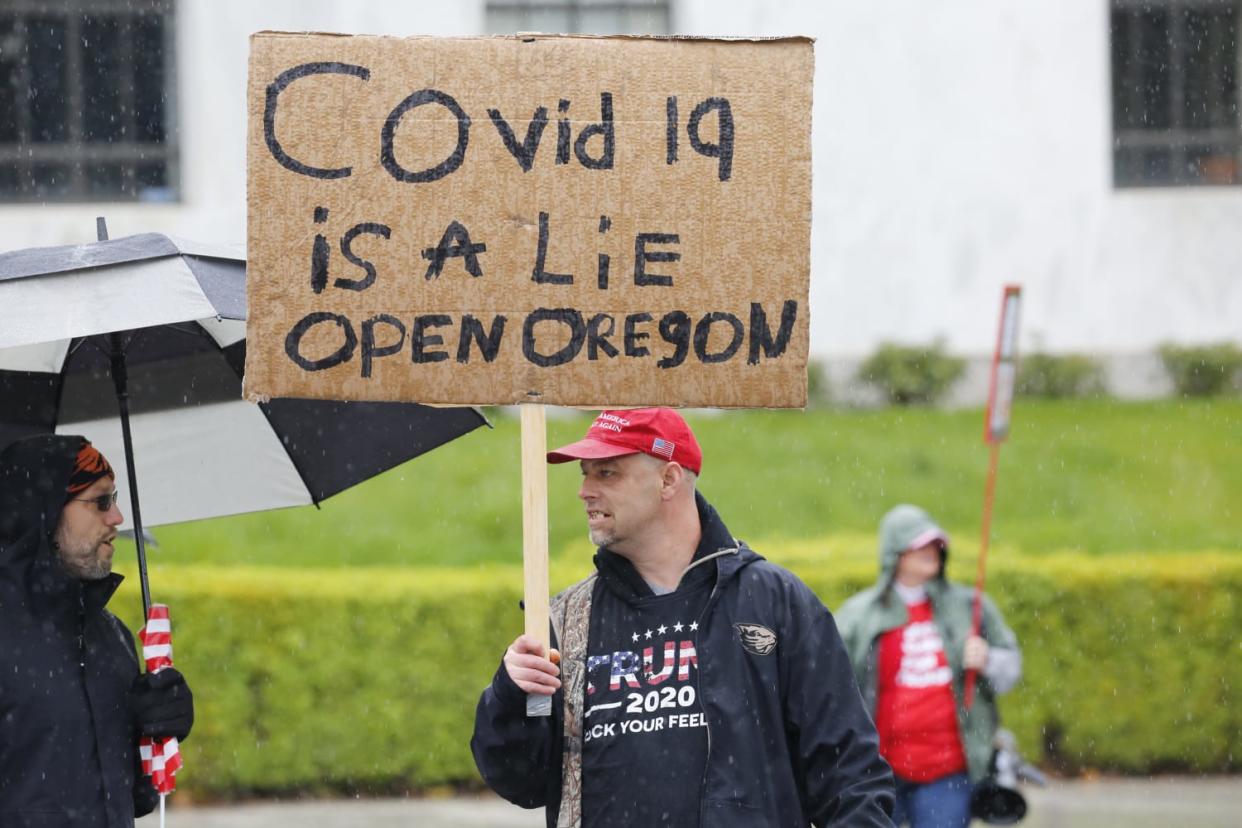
x=161, y=758
x=663, y=448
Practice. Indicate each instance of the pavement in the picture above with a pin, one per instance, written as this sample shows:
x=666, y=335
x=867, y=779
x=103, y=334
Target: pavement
x=481, y=812
x=1185, y=802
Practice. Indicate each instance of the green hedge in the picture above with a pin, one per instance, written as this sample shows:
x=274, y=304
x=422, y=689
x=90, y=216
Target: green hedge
x=1131, y=662
x=366, y=680
x=332, y=681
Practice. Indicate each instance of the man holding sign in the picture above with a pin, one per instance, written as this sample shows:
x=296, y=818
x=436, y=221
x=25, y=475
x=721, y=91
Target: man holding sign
x=698, y=683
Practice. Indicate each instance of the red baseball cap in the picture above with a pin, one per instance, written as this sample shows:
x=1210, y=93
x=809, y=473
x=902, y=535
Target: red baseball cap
x=659, y=432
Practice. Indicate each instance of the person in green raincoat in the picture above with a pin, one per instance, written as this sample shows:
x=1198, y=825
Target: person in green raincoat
x=910, y=643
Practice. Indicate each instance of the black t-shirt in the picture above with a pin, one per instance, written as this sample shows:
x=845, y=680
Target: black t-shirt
x=644, y=736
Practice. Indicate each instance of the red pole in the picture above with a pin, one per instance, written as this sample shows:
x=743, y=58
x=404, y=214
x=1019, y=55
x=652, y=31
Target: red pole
x=976, y=622
x=995, y=430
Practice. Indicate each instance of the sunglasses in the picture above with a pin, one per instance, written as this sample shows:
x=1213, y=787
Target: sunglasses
x=103, y=503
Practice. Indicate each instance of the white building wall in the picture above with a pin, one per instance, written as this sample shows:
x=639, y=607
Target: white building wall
x=957, y=146
x=962, y=145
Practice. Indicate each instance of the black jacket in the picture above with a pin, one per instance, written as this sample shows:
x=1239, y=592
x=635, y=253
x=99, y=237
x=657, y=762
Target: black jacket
x=789, y=741
x=68, y=747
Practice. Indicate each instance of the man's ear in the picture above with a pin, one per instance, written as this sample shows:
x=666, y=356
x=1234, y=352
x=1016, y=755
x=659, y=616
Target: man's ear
x=671, y=479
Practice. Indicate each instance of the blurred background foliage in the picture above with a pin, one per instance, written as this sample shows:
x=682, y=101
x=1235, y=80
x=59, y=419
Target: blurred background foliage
x=911, y=374
x=364, y=681
x=342, y=650
x=1203, y=370
x=1092, y=475
x=1053, y=376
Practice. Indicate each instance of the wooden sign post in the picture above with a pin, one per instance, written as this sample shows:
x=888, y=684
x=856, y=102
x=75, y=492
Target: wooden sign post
x=569, y=220
x=535, y=536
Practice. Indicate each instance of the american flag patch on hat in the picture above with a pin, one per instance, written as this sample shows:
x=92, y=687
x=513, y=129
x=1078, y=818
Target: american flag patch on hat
x=663, y=448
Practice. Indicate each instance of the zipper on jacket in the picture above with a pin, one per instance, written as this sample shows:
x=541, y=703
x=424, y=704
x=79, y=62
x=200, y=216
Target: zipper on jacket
x=707, y=724
x=81, y=631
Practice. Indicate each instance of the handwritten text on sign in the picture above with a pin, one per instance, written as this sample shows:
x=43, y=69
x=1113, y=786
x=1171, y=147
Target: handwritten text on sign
x=571, y=220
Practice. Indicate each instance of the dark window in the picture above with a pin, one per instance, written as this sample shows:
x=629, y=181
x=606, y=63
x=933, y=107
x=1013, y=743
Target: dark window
x=85, y=100
x=602, y=17
x=1175, y=92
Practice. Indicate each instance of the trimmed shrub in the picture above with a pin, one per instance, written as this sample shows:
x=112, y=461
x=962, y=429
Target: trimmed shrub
x=1203, y=370
x=911, y=375
x=365, y=680
x=1056, y=377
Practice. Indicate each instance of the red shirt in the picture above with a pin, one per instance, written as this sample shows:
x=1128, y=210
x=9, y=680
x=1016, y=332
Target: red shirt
x=916, y=714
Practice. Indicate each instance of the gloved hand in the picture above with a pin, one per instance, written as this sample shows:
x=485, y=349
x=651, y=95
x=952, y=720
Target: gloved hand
x=146, y=798
x=162, y=705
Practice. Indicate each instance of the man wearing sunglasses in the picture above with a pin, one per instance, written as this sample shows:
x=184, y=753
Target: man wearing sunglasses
x=73, y=701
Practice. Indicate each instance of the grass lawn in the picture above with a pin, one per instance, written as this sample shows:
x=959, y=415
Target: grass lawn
x=1094, y=477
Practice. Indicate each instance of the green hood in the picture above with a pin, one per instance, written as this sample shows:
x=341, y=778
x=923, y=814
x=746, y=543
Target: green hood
x=869, y=614
x=899, y=531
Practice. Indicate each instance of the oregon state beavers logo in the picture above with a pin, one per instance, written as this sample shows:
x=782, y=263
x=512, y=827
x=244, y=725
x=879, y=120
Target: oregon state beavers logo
x=755, y=638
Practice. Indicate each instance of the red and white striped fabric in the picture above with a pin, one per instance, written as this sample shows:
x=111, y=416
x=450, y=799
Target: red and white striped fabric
x=161, y=758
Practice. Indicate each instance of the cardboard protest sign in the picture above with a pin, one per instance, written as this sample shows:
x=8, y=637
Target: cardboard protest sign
x=569, y=220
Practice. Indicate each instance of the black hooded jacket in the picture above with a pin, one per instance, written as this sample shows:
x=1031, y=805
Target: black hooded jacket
x=68, y=746
x=789, y=740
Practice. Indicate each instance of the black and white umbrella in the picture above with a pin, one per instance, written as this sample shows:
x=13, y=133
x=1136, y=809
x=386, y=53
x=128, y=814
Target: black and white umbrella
x=146, y=335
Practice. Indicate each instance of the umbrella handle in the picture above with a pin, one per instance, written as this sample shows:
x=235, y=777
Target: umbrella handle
x=120, y=379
